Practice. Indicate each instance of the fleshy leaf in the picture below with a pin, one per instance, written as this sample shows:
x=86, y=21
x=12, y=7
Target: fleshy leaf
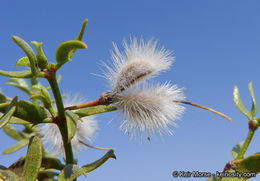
x=71, y=172
x=253, y=110
x=28, y=51
x=9, y=112
x=33, y=159
x=20, y=84
x=43, y=95
x=7, y=175
x=18, y=74
x=24, y=61
x=72, y=120
x=92, y=166
x=95, y=110
x=22, y=143
x=13, y=133
x=250, y=164
x=27, y=111
x=239, y=104
x=236, y=149
x=41, y=58
x=80, y=35
x=63, y=53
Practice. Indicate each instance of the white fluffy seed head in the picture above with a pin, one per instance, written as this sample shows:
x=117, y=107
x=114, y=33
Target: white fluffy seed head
x=140, y=60
x=149, y=109
x=85, y=131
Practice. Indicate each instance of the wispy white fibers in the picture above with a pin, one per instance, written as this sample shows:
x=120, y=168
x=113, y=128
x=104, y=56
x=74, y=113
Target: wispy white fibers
x=150, y=109
x=140, y=60
x=86, y=128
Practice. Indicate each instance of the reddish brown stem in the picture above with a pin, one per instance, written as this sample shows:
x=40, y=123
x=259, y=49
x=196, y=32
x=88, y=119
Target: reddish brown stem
x=88, y=104
x=203, y=107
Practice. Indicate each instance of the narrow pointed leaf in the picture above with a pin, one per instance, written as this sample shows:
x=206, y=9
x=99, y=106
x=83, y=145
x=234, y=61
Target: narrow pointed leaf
x=70, y=172
x=63, y=53
x=41, y=58
x=13, y=133
x=82, y=30
x=2, y=98
x=92, y=166
x=24, y=61
x=239, y=104
x=18, y=74
x=253, y=110
x=236, y=149
x=27, y=111
x=33, y=159
x=9, y=112
x=16, y=147
x=95, y=110
x=72, y=120
x=20, y=84
x=28, y=51
x=7, y=175
x=15, y=120
x=250, y=164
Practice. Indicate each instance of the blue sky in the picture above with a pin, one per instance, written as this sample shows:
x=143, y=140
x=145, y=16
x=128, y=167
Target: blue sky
x=216, y=44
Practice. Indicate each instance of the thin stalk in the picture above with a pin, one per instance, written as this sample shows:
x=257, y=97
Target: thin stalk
x=85, y=105
x=246, y=144
x=203, y=107
x=95, y=147
x=61, y=119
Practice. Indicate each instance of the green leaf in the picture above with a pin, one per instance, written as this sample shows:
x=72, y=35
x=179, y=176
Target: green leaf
x=28, y=51
x=239, y=104
x=72, y=120
x=23, y=62
x=43, y=95
x=18, y=74
x=27, y=111
x=253, y=110
x=13, y=133
x=41, y=58
x=236, y=149
x=15, y=120
x=52, y=163
x=71, y=172
x=16, y=147
x=33, y=160
x=95, y=110
x=250, y=164
x=20, y=84
x=9, y=112
x=80, y=35
x=2, y=98
x=63, y=53
x=92, y=166
x=7, y=175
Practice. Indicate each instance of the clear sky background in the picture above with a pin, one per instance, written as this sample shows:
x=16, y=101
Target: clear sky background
x=216, y=44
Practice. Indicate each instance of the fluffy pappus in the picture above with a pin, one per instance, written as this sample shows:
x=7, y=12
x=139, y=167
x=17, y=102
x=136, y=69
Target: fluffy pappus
x=140, y=60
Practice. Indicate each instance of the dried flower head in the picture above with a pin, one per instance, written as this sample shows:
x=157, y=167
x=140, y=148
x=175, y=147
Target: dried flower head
x=140, y=60
x=149, y=109
x=86, y=128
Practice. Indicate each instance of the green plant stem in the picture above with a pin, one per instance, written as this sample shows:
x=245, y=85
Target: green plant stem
x=61, y=122
x=246, y=144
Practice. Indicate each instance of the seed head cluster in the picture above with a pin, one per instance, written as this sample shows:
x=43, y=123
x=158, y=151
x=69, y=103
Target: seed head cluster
x=145, y=108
